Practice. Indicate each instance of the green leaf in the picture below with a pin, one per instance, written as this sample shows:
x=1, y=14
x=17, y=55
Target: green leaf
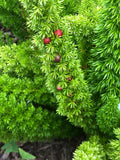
x=10, y=147
x=26, y=155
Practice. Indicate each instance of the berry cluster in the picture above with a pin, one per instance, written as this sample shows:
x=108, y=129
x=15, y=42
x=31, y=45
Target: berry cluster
x=58, y=33
x=47, y=40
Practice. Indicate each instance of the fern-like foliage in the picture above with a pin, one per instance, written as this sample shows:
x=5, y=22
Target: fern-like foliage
x=90, y=150
x=44, y=18
x=13, y=16
x=114, y=146
x=105, y=67
x=27, y=110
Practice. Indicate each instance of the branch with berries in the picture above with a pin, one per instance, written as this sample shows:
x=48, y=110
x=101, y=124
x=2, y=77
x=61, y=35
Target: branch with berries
x=60, y=63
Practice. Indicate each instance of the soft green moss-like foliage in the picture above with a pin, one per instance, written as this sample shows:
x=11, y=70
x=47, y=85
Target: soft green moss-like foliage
x=90, y=150
x=114, y=146
x=105, y=67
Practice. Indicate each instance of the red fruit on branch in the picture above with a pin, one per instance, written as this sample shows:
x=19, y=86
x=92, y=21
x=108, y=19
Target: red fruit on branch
x=58, y=33
x=59, y=88
x=70, y=94
x=69, y=78
x=47, y=40
x=74, y=101
x=57, y=58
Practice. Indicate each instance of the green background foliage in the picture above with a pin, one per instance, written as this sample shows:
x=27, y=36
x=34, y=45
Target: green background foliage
x=31, y=107
x=13, y=16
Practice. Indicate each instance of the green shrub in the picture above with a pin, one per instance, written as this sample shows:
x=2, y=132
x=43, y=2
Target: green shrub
x=27, y=109
x=105, y=69
x=108, y=116
x=82, y=33
x=114, y=146
x=21, y=64
x=34, y=85
x=78, y=106
x=90, y=150
x=81, y=28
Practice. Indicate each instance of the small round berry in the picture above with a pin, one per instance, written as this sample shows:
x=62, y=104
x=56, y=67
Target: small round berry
x=59, y=88
x=58, y=33
x=47, y=40
x=57, y=58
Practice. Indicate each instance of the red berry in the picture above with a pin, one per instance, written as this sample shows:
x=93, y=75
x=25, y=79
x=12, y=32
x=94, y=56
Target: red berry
x=74, y=101
x=58, y=33
x=47, y=40
x=70, y=95
x=69, y=78
x=57, y=58
x=59, y=88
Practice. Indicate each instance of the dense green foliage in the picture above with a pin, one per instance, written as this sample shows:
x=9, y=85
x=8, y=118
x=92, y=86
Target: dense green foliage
x=13, y=17
x=90, y=150
x=1, y=38
x=105, y=69
x=78, y=106
x=5, y=38
x=114, y=146
x=27, y=110
x=38, y=93
x=70, y=7
x=10, y=5
x=81, y=28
